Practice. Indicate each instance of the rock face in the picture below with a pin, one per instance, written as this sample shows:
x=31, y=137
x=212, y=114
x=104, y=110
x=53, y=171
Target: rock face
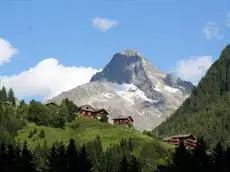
x=130, y=85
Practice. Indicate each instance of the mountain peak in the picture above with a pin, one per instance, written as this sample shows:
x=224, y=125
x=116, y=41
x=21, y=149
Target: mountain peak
x=129, y=52
x=122, y=69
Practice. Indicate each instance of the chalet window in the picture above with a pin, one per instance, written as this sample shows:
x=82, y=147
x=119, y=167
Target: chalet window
x=89, y=113
x=83, y=112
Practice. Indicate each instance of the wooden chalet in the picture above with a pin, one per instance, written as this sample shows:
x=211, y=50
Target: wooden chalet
x=100, y=113
x=189, y=140
x=126, y=121
x=88, y=112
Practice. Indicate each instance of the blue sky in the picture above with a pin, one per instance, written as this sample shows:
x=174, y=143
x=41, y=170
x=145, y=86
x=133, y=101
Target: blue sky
x=175, y=35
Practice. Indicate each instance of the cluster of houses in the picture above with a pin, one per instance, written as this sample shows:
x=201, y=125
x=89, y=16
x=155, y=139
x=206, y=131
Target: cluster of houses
x=88, y=112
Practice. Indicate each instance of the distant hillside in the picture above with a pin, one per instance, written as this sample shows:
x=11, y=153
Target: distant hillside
x=207, y=111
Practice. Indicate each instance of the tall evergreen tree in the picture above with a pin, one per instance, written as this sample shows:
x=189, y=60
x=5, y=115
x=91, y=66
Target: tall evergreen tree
x=3, y=157
x=135, y=165
x=40, y=156
x=84, y=161
x=181, y=159
x=57, y=161
x=218, y=158
x=94, y=149
x=11, y=96
x=200, y=160
x=124, y=165
x=11, y=159
x=72, y=156
x=4, y=94
x=226, y=164
x=26, y=161
x=52, y=162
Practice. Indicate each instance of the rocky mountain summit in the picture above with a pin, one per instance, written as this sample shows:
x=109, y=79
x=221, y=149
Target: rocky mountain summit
x=130, y=85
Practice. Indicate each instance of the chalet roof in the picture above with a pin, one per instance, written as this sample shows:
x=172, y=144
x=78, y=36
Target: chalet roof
x=180, y=135
x=51, y=103
x=83, y=107
x=99, y=110
x=122, y=118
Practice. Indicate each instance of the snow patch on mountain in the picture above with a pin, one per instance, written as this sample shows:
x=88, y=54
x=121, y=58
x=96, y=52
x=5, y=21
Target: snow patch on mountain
x=130, y=93
x=162, y=88
x=171, y=89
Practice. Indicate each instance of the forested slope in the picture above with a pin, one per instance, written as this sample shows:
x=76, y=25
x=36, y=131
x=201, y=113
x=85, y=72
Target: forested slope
x=207, y=111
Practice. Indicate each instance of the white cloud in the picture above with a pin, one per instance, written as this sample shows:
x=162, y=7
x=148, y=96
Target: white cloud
x=193, y=68
x=212, y=30
x=228, y=19
x=6, y=51
x=47, y=79
x=104, y=24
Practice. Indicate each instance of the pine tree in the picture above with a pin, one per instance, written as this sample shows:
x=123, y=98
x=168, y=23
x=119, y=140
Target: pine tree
x=4, y=94
x=84, y=161
x=3, y=157
x=135, y=165
x=11, y=159
x=40, y=156
x=17, y=156
x=181, y=159
x=95, y=153
x=124, y=165
x=218, y=157
x=98, y=147
x=200, y=160
x=26, y=161
x=57, y=159
x=11, y=96
x=72, y=156
x=226, y=164
x=52, y=162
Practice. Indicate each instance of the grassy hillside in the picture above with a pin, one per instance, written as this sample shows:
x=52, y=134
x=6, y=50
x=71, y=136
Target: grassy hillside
x=83, y=131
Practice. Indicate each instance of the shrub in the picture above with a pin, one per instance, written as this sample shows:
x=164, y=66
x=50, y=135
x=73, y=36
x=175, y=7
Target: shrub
x=31, y=133
x=42, y=134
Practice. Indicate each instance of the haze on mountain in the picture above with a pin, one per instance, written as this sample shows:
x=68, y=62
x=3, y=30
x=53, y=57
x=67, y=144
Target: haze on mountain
x=130, y=86
x=207, y=111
